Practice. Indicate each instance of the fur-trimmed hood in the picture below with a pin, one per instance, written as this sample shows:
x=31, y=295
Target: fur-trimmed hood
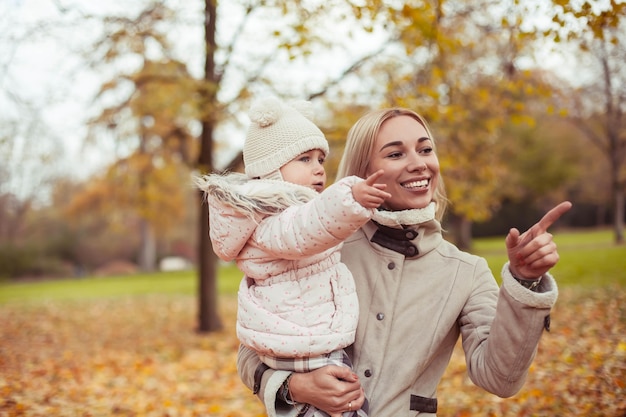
x=252, y=197
x=237, y=204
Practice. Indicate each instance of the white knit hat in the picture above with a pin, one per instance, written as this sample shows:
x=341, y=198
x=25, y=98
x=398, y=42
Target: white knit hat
x=278, y=133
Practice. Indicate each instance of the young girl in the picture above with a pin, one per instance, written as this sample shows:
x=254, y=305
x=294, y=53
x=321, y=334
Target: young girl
x=298, y=306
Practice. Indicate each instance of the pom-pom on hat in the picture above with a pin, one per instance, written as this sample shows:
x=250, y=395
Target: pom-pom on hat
x=278, y=133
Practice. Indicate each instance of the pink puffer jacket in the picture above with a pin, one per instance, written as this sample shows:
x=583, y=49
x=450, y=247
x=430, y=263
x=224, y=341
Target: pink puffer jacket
x=296, y=299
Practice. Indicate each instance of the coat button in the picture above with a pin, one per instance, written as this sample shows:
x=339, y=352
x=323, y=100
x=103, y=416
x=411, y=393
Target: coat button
x=368, y=373
x=380, y=316
x=410, y=234
x=391, y=265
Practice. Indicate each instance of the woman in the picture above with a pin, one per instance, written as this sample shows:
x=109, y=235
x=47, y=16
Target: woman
x=418, y=293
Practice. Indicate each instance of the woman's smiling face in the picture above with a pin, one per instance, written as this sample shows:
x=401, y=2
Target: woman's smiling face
x=405, y=152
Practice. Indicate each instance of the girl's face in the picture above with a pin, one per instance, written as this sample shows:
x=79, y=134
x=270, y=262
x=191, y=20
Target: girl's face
x=306, y=169
x=405, y=152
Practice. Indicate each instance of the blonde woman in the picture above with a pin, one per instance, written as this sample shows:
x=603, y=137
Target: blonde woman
x=419, y=293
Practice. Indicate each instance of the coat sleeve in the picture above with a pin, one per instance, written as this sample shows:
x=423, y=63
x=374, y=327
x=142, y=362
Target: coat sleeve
x=501, y=330
x=229, y=230
x=269, y=382
x=318, y=225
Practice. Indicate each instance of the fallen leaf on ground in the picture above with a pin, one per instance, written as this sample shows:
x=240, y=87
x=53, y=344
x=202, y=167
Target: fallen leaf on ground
x=140, y=356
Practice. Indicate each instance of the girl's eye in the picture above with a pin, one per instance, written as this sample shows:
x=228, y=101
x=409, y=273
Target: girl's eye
x=305, y=159
x=321, y=161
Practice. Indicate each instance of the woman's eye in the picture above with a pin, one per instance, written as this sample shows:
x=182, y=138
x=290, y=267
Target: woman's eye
x=427, y=150
x=395, y=155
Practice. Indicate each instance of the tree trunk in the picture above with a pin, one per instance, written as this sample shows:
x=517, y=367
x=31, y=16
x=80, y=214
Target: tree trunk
x=208, y=317
x=147, y=243
x=465, y=234
x=600, y=215
x=461, y=231
x=617, y=186
x=147, y=250
x=616, y=146
x=619, y=216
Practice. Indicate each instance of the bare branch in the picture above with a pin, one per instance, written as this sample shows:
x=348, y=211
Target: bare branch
x=351, y=69
x=238, y=32
x=589, y=133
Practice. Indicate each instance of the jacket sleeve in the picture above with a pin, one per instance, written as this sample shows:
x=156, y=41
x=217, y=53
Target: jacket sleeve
x=229, y=230
x=500, y=338
x=264, y=382
x=311, y=228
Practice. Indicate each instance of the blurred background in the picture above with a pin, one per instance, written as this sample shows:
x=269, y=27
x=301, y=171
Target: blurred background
x=107, y=110
x=109, y=288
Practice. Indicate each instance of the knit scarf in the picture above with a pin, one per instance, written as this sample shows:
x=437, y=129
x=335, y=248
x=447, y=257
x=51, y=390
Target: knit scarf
x=395, y=231
x=399, y=219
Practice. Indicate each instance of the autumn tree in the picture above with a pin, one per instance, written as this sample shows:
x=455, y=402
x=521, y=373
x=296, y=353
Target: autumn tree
x=598, y=29
x=26, y=170
x=464, y=66
x=148, y=111
x=29, y=149
x=26, y=175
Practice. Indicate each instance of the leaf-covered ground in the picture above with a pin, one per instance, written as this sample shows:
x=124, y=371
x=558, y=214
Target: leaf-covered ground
x=141, y=357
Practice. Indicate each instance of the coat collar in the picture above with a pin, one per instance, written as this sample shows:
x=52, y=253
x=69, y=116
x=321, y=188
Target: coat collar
x=410, y=241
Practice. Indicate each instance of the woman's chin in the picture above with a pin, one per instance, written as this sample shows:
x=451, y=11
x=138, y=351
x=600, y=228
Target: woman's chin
x=415, y=202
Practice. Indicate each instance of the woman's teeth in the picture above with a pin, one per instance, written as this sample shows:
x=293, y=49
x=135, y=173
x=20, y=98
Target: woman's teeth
x=416, y=184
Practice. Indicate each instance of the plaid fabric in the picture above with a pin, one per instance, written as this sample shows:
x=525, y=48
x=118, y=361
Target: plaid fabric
x=309, y=411
x=337, y=357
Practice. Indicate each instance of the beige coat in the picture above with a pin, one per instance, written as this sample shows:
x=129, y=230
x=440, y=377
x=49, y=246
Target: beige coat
x=412, y=313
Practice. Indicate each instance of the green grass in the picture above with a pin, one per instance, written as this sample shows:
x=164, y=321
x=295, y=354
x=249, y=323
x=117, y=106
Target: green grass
x=588, y=258
x=566, y=239
x=185, y=282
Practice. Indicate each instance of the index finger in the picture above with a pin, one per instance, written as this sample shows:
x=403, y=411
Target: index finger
x=552, y=216
x=371, y=180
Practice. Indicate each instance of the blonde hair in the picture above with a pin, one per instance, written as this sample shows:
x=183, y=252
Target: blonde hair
x=360, y=144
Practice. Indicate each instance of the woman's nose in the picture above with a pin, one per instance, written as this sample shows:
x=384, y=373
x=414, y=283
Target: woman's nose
x=417, y=164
